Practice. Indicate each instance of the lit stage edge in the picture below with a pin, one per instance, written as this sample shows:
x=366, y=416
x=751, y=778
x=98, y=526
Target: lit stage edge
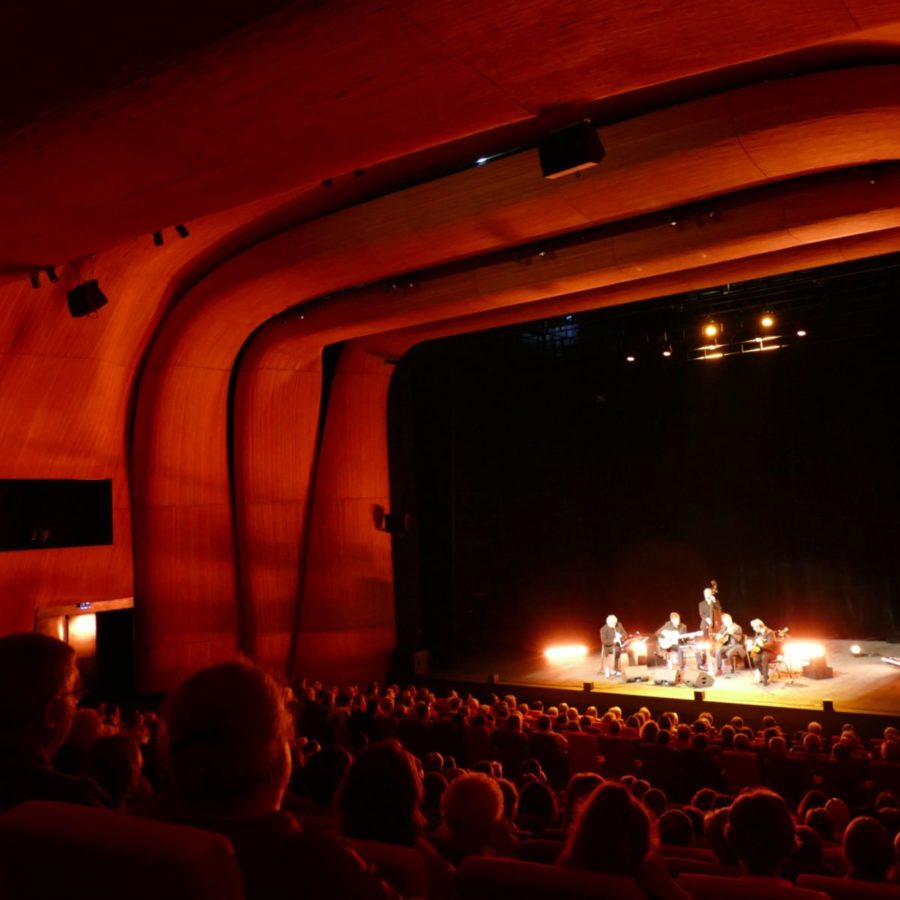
x=862, y=684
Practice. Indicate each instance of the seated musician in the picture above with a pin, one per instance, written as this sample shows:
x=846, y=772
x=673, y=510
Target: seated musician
x=612, y=640
x=762, y=649
x=668, y=638
x=729, y=643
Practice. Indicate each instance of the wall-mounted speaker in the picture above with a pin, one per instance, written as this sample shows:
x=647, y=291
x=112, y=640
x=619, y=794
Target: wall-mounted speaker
x=85, y=298
x=570, y=149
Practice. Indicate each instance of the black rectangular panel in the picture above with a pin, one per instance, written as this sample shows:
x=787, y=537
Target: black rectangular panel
x=43, y=514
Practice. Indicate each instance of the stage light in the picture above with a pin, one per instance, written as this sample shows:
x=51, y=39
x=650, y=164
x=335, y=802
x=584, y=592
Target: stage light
x=565, y=652
x=639, y=648
x=667, y=350
x=801, y=333
x=629, y=359
x=710, y=330
x=801, y=653
x=856, y=650
x=703, y=645
x=767, y=321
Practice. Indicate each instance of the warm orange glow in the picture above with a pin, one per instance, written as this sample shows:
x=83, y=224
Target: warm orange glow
x=83, y=634
x=767, y=321
x=638, y=647
x=565, y=652
x=801, y=652
x=711, y=330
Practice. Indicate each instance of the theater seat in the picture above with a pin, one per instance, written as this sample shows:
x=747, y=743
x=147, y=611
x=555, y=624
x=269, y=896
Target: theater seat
x=50, y=851
x=540, y=850
x=845, y=889
x=717, y=887
x=401, y=867
x=486, y=878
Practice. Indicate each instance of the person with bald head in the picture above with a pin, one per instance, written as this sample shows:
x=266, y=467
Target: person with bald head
x=39, y=691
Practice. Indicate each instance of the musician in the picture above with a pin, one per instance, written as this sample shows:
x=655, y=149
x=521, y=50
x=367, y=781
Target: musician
x=710, y=611
x=669, y=632
x=729, y=643
x=612, y=639
x=762, y=649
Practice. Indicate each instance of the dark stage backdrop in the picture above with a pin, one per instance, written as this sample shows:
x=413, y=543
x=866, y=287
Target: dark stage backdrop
x=550, y=482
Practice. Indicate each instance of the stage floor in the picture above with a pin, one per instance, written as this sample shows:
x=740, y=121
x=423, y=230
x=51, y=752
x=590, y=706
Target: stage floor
x=861, y=684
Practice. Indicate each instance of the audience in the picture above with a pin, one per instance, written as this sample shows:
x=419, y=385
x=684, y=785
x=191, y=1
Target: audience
x=39, y=690
x=235, y=761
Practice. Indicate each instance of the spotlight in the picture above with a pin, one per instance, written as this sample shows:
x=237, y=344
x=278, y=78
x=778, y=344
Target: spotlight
x=667, y=350
x=801, y=333
x=767, y=321
x=710, y=330
x=629, y=359
x=856, y=650
x=565, y=652
x=158, y=238
x=182, y=231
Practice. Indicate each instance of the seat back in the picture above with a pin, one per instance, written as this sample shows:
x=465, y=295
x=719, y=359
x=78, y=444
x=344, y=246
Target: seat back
x=487, y=878
x=619, y=754
x=845, y=889
x=540, y=850
x=52, y=850
x=582, y=752
x=717, y=887
x=401, y=867
x=741, y=770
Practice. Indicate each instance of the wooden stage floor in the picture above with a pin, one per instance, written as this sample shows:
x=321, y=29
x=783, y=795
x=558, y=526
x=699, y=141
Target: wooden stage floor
x=862, y=684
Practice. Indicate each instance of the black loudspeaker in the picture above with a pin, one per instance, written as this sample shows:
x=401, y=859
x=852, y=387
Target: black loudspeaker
x=570, y=149
x=85, y=299
x=494, y=678
x=637, y=673
x=818, y=671
x=698, y=678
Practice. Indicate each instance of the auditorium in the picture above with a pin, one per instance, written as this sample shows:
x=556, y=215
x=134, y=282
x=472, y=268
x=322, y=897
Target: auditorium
x=497, y=397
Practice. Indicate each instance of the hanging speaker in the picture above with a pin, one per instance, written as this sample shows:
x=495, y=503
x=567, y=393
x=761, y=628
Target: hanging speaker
x=85, y=298
x=570, y=149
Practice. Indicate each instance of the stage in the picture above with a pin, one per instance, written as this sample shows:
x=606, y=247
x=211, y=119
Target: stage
x=861, y=685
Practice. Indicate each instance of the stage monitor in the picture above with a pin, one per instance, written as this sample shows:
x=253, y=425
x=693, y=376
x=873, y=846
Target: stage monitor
x=49, y=513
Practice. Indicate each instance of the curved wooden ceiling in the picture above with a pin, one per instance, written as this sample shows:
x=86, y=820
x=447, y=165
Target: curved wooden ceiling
x=255, y=110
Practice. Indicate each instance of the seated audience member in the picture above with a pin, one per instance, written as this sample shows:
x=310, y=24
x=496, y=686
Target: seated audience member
x=537, y=808
x=318, y=785
x=580, y=787
x=472, y=811
x=714, y=824
x=656, y=801
x=808, y=857
x=230, y=761
x=39, y=689
x=675, y=829
x=840, y=814
x=433, y=786
x=762, y=832
x=613, y=834
x=821, y=822
x=810, y=800
x=895, y=872
x=868, y=850
x=115, y=763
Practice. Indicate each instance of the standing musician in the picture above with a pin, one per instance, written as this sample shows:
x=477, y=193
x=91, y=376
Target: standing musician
x=668, y=637
x=710, y=615
x=612, y=640
x=762, y=649
x=729, y=643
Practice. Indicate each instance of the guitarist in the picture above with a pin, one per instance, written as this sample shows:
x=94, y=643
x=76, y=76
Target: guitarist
x=612, y=639
x=668, y=637
x=762, y=649
x=729, y=642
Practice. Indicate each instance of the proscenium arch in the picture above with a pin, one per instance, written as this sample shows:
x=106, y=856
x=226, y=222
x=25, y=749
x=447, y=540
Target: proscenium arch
x=186, y=582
